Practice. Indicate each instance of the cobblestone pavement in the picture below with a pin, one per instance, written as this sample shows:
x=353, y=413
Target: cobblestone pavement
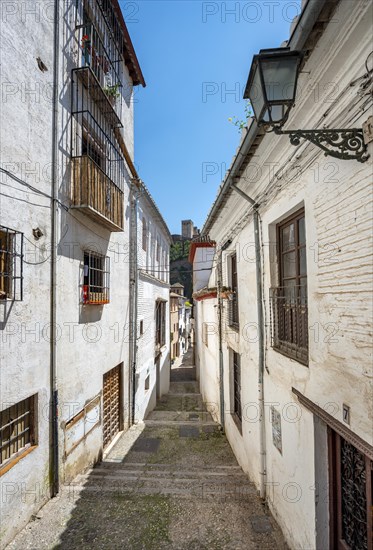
x=169, y=483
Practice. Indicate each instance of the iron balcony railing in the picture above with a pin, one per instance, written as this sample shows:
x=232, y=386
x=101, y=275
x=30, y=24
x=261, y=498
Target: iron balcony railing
x=98, y=66
x=289, y=321
x=97, y=172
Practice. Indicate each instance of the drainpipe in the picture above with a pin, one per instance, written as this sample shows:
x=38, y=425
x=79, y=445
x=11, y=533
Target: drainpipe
x=133, y=300
x=259, y=293
x=54, y=459
x=220, y=328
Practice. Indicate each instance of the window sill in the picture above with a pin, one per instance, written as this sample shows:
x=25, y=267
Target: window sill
x=290, y=355
x=15, y=459
x=234, y=326
x=102, y=303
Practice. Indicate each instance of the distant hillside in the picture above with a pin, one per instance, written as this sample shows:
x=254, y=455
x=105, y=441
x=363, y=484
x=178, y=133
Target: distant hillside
x=180, y=268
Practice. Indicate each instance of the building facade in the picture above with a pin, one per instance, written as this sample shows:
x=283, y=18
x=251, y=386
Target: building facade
x=153, y=305
x=284, y=314
x=67, y=382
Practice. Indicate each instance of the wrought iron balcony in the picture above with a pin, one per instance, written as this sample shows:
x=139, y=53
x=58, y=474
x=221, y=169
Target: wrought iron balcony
x=96, y=194
x=289, y=321
x=98, y=170
x=98, y=65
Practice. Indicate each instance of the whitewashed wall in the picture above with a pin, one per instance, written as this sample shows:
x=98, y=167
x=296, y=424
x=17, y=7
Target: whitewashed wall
x=153, y=285
x=26, y=152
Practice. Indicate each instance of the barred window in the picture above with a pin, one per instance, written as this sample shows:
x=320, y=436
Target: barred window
x=289, y=300
x=237, y=409
x=160, y=323
x=17, y=429
x=11, y=264
x=96, y=279
x=233, y=304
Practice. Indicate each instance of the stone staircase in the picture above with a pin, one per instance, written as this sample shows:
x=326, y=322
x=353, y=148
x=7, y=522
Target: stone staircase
x=180, y=424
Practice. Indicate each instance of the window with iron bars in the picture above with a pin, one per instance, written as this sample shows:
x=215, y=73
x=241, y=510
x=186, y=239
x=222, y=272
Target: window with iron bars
x=160, y=323
x=233, y=302
x=11, y=264
x=289, y=310
x=96, y=276
x=237, y=406
x=18, y=429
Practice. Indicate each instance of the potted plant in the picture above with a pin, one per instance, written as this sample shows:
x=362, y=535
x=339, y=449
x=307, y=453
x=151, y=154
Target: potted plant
x=112, y=93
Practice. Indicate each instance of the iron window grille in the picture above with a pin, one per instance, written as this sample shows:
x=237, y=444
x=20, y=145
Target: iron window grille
x=160, y=323
x=96, y=278
x=289, y=322
x=11, y=264
x=237, y=405
x=17, y=429
x=289, y=309
x=233, y=313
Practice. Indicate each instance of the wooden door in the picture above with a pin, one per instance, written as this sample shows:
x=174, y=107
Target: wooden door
x=112, y=404
x=350, y=476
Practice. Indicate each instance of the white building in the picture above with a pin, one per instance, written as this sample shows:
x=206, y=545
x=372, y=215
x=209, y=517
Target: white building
x=152, y=356
x=66, y=170
x=289, y=374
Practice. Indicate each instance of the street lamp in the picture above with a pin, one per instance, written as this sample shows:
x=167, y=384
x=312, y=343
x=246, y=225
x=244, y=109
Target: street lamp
x=271, y=89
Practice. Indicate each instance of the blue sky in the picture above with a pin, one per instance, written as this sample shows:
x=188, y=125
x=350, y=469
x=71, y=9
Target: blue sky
x=195, y=56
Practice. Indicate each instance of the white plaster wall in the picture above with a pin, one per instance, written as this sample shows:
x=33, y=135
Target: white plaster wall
x=336, y=196
x=152, y=286
x=25, y=144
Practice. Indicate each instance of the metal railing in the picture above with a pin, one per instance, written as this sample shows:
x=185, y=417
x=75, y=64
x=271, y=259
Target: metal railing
x=100, y=59
x=289, y=321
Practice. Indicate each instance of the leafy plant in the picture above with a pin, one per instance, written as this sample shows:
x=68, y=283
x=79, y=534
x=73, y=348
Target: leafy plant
x=112, y=91
x=241, y=124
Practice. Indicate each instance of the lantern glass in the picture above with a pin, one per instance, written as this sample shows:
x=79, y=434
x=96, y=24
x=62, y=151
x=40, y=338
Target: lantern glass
x=280, y=77
x=272, y=84
x=256, y=94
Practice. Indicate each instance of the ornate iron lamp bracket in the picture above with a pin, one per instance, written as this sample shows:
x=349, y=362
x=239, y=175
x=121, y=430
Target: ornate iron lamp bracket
x=342, y=144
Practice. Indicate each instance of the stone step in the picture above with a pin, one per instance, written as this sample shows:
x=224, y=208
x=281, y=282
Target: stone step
x=184, y=387
x=234, y=493
x=179, y=415
x=192, y=483
x=179, y=474
x=206, y=425
x=115, y=464
x=180, y=402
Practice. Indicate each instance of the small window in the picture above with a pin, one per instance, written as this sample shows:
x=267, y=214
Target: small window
x=17, y=429
x=92, y=148
x=237, y=409
x=233, y=304
x=160, y=316
x=11, y=268
x=141, y=328
x=147, y=382
x=96, y=279
x=144, y=235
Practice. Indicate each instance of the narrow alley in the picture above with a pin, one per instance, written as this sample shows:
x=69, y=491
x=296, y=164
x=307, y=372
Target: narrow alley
x=170, y=482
